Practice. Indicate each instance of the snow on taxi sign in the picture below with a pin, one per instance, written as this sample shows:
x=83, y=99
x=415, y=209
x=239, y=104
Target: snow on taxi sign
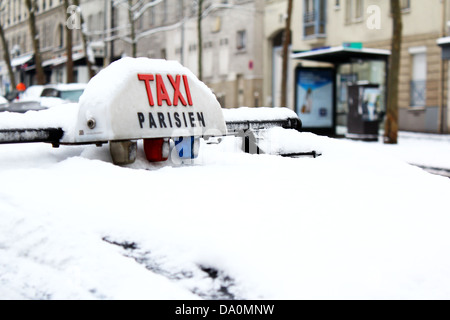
x=154, y=100
x=157, y=101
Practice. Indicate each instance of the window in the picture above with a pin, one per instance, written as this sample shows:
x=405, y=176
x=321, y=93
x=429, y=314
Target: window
x=90, y=23
x=165, y=12
x=359, y=10
x=180, y=10
x=208, y=59
x=14, y=11
x=419, y=76
x=60, y=36
x=192, y=58
x=224, y=57
x=405, y=5
x=354, y=11
x=192, y=47
x=309, y=6
x=314, y=18
x=241, y=41
x=20, y=11
x=152, y=17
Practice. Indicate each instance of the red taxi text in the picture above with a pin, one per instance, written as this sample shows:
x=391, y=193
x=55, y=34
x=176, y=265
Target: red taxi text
x=162, y=95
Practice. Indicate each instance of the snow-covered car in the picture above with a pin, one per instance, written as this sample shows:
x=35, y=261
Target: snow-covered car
x=32, y=93
x=67, y=92
x=39, y=97
x=21, y=106
x=53, y=94
x=18, y=106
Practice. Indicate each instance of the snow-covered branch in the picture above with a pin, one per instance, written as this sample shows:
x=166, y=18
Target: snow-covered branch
x=124, y=3
x=147, y=6
x=160, y=29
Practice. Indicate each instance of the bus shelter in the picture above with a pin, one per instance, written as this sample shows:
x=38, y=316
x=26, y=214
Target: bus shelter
x=344, y=92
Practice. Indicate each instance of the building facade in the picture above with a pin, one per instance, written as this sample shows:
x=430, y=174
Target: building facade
x=331, y=23
x=231, y=58
x=423, y=81
x=52, y=21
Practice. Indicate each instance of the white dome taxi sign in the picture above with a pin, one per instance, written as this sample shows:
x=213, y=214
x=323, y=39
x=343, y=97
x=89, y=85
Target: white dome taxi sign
x=143, y=99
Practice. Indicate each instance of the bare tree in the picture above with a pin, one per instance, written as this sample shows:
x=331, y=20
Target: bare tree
x=6, y=50
x=84, y=40
x=69, y=45
x=132, y=21
x=31, y=7
x=200, y=39
x=286, y=43
x=391, y=125
x=135, y=9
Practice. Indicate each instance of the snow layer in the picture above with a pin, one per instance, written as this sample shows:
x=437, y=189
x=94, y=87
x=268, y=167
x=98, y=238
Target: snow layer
x=60, y=116
x=356, y=223
x=429, y=150
x=258, y=114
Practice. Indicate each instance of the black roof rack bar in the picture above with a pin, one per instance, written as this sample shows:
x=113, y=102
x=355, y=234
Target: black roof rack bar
x=47, y=135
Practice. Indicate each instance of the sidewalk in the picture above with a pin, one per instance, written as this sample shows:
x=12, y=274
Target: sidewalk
x=428, y=151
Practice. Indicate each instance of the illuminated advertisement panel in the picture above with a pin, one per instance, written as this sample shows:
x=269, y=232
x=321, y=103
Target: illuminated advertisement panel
x=314, y=97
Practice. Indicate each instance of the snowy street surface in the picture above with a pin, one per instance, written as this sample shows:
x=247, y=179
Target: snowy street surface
x=430, y=151
x=359, y=222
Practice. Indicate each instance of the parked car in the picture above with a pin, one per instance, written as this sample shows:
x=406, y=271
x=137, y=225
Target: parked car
x=32, y=93
x=65, y=92
x=42, y=97
x=21, y=106
x=11, y=104
x=51, y=95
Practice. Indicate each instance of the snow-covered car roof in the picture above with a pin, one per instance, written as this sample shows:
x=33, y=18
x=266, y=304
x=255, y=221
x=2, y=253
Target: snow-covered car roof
x=32, y=93
x=48, y=99
x=71, y=92
x=67, y=86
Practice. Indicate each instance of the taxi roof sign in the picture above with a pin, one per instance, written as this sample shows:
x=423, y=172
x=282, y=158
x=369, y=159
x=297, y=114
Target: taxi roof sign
x=140, y=98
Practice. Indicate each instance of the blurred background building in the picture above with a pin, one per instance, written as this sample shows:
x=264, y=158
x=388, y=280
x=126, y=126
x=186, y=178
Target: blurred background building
x=241, y=47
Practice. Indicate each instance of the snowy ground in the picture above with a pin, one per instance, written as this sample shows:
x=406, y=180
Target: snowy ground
x=358, y=222
x=426, y=150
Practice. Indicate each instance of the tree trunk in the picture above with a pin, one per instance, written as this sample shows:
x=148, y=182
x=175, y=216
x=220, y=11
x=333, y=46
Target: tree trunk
x=69, y=46
x=200, y=39
x=391, y=125
x=286, y=43
x=7, y=58
x=84, y=41
x=133, y=29
x=31, y=7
